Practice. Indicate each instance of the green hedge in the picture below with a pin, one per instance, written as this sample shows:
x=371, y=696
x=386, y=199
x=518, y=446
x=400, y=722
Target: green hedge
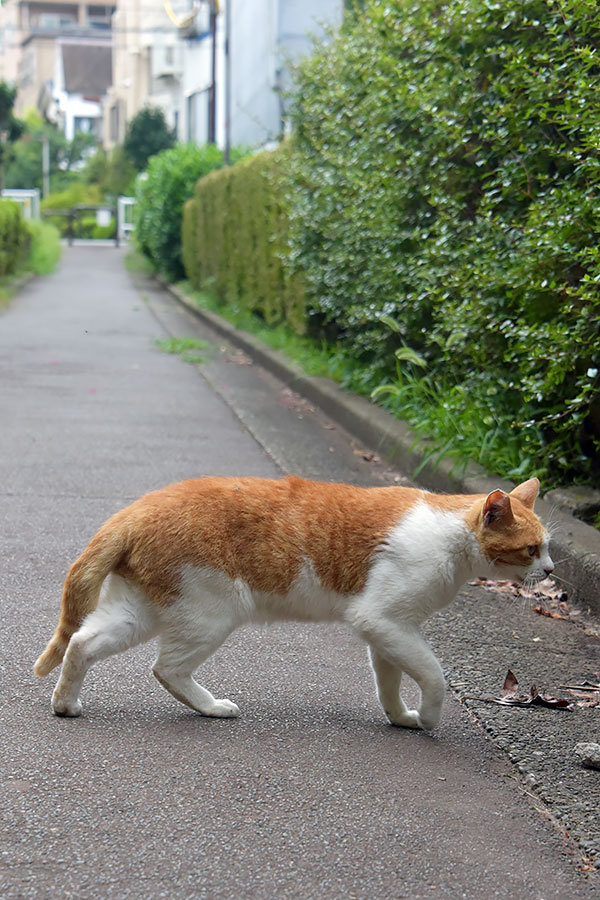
x=234, y=237
x=446, y=174
x=15, y=237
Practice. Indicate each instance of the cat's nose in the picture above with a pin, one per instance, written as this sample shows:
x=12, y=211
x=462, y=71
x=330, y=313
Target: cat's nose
x=548, y=570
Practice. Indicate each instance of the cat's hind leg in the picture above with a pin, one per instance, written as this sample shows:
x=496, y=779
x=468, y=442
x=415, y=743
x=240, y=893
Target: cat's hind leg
x=122, y=619
x=179, y=658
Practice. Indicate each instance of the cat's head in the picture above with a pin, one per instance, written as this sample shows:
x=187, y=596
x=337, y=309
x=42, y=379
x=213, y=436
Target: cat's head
x=511, y=538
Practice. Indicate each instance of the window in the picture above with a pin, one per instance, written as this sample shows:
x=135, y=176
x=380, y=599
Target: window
x=99, y=17
x=86, y=124
x=114, y=123
x=197, y=117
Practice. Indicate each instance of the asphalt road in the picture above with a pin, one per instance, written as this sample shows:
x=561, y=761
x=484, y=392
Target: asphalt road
x=310, y=794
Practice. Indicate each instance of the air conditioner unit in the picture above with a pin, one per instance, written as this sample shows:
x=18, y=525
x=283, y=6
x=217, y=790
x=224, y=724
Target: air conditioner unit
x=165, y=62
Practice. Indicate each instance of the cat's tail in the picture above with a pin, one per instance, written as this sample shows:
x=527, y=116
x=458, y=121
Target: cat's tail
x=81, y=592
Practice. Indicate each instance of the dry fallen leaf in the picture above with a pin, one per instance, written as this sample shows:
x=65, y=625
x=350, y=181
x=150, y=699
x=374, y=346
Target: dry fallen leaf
x=366, y=455
x=586, y=694
x=295, y=401
x=510, y=683
x=549, y=598
x=584, y=686
x=510, y=696
x=240, y=359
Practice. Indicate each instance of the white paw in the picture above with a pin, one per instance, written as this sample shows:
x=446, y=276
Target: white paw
x=408, y=718
x=429, y=722
x=224, y=709
x=60, y=707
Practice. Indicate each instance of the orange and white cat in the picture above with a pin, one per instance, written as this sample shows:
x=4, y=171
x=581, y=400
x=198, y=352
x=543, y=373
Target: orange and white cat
x=195, y=560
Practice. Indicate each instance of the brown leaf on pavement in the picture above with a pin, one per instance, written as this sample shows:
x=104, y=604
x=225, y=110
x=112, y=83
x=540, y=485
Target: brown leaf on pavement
x=240, y=359
x=586, y=694
x=510, y=696
x=549, y=597
x=510, y=683
x=584, y=686
x=366, y=455
x=295, y=401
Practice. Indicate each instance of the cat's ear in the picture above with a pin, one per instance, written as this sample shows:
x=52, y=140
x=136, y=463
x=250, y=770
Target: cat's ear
x=527, y=492
x=496, y=509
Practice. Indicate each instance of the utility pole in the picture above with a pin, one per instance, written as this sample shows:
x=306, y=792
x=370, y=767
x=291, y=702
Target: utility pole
x=45, y=166
x=212, y=95
x=227, y=148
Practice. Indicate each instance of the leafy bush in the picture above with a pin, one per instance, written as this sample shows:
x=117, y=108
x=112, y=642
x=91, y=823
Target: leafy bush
x=445, y=172
x=44, y=252
x=170, y=181
x=234, y=237
x=78, y=193
x=15, y=237
x=105, y=232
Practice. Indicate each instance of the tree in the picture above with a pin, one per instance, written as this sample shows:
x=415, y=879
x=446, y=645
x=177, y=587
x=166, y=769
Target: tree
x=10, y=127
x=24, y=162
x=147, y=134
x=113, y=172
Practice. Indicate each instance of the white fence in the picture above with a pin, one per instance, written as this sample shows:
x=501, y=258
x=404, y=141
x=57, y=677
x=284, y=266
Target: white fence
x=29, y=200
x=125, y=224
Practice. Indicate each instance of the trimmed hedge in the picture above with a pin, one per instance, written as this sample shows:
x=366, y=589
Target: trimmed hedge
x=446, y=174
x=234, y=237
x=15, y=237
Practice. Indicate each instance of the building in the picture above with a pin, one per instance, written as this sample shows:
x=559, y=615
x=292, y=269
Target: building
x=82, y=77
x=220, y=69
x=147, y=56
x=180, y=60
x=266, y=37
x=59, y=55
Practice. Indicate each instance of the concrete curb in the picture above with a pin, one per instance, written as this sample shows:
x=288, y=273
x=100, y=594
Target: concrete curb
x=575, y=545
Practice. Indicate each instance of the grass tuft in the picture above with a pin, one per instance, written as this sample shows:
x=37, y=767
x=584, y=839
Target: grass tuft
x=184, y=347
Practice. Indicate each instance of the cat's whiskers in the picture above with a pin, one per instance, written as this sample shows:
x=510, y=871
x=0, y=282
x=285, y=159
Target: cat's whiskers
x=552, y=525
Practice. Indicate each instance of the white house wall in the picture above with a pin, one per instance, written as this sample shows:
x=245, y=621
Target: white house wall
x=265, y=36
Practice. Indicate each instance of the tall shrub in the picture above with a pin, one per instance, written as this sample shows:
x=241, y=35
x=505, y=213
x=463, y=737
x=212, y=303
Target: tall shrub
x=14, y=237
x=171, y=176
x=446, y=172
x=234, y=237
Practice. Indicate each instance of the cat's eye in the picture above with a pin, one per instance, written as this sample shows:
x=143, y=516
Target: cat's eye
x=533, y=550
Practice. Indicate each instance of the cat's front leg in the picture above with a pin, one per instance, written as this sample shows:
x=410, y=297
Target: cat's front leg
x=387, y=681
x=394, y=650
